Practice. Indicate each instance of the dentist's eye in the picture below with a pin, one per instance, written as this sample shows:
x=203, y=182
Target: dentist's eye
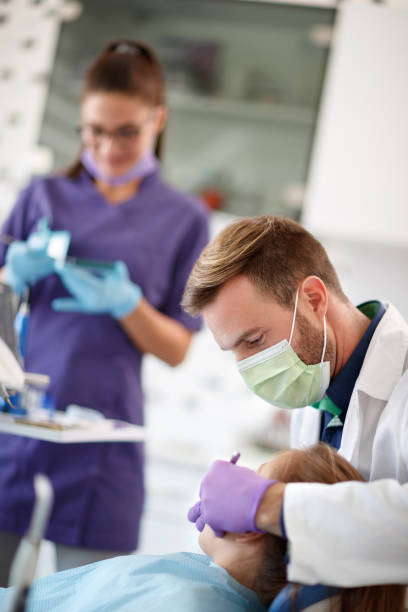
x=255, y=341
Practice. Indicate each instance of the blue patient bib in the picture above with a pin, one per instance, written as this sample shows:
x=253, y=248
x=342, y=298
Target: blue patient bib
x=183, y=582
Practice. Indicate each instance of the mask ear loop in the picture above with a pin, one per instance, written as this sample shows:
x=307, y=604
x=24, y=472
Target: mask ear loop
x=293, y=327
x=324, y=338
x=294, y=317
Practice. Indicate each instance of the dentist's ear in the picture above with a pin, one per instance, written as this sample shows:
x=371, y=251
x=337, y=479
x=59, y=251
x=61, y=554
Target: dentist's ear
x=313, y=294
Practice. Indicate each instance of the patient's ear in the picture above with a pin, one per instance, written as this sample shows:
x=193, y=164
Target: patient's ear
x=247, y=537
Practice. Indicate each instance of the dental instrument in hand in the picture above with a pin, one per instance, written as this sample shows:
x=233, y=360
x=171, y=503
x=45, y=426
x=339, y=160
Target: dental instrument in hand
x=235, y=456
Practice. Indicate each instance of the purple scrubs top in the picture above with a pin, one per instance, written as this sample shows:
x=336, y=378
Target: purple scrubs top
x=91, y=361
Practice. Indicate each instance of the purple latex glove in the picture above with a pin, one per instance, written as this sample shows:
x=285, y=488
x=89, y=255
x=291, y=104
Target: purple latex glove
x=229, y=499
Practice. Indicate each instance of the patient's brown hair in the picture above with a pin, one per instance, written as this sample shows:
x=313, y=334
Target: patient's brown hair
x=275, y=253
x=321, y=463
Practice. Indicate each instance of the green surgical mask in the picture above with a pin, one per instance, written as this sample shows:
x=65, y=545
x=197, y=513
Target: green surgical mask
x=281, y=378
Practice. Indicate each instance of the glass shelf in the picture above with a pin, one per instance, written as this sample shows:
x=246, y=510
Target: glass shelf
x=242, y=109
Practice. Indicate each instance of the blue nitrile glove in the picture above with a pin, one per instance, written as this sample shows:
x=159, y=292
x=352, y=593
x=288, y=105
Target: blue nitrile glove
x=111, y=292
x=27, y=262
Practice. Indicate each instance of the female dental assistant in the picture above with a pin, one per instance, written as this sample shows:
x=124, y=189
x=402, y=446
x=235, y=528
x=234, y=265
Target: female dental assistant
x=87, y=332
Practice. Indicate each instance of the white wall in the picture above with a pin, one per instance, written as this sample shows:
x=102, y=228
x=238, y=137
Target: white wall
x=28, y=39
x=358, y=181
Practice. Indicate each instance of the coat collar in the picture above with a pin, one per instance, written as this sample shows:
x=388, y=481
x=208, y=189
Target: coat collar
x=386, y=356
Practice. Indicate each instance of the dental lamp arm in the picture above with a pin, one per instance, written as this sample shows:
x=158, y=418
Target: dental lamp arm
x=24, y=565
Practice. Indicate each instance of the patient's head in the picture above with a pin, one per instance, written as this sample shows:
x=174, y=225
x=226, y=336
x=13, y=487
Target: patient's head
x=318, y=463
x=249, y=556
x=258, y=560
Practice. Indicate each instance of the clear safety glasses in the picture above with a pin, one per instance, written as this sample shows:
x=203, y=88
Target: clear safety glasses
x=125, y=137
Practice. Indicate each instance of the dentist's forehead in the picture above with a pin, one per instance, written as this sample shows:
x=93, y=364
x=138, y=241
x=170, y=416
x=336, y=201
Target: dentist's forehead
x=230, y=341
x=239, y=310
x=229, y=324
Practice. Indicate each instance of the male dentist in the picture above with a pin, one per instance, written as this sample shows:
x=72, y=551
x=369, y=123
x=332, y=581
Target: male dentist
x=269, y=293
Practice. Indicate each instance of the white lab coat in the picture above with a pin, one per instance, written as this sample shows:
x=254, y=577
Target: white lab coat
x=355, y=533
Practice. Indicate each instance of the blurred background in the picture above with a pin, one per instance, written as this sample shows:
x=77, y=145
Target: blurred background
x=292, y=108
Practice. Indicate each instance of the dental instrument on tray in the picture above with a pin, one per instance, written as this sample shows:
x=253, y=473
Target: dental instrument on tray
x=5, y=395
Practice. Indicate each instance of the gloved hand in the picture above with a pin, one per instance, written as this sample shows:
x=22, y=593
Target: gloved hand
x=229, y=499
x=27, y=262
x=112, y=292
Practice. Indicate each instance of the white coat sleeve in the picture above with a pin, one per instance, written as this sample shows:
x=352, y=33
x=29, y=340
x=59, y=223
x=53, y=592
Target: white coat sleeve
x=347, y=534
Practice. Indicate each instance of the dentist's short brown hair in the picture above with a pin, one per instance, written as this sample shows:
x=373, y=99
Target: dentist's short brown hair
x=274, y=253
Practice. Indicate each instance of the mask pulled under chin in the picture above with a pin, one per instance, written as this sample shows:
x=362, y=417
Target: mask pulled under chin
x=146, y=165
